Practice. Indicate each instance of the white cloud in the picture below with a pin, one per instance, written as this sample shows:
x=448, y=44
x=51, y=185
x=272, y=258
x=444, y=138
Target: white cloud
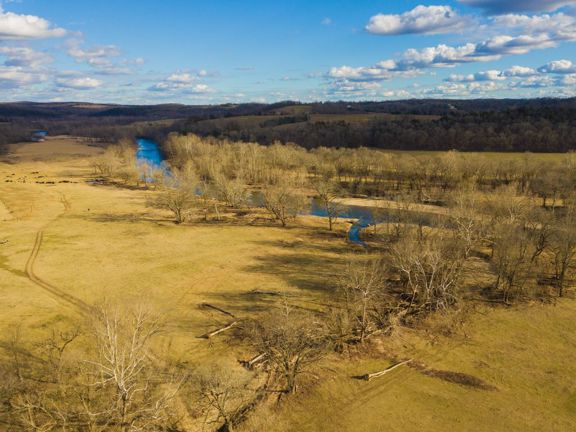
x=78, y=83
x=540, y=32
x=559, y=67
x=14, y=27
x=24, y=57
x=444, y=56
x=514, y=78
x=421, y=19
x=360, y=73
x=183, y=78
x=497, y=7
x=346, y=86
x=95, y=56
x=560, y=25
x=568, y=80
x=490, y=75
x=520, y=71
x=201, y=88
x=326, y=21
x=185, y=82
x=103, y=58
x=14, y=77
x=451, y=89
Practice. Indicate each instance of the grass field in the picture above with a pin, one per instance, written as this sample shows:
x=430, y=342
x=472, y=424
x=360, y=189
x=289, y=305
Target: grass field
x=110, y=246
x=527, y=354
x=102, y=243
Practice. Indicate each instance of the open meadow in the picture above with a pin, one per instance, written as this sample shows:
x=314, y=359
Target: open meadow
x=69, y=243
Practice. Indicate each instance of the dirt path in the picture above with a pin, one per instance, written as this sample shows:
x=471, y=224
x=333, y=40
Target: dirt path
x=56, y=292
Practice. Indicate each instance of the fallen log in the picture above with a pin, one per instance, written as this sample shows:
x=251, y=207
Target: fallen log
x=371, y=376
x=218, y=331
x=254, y=361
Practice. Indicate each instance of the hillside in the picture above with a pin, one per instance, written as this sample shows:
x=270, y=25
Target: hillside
x=538, y=125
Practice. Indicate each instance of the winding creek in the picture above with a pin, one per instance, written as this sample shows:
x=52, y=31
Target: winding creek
x=149, y=151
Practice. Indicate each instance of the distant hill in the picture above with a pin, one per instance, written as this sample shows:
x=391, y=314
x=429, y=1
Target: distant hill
x=431, y=124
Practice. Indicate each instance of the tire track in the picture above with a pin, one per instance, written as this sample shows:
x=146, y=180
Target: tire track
x=56, y=292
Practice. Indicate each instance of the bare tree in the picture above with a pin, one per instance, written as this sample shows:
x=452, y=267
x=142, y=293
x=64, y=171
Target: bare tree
x=180, y=201
x=563, y=248
x=122, y=369
x=516, y=248
x=283, y=202
x=109, y=382
x=292, y=342
x=430, y=270
x=362, y=285
x=178, y=195
x=468, y=223
x=225, y=395
x=327, y=194
x=234, y=192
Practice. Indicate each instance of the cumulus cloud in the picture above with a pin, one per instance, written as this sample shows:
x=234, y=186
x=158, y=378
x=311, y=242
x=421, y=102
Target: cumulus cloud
x=14, y=77
x=347, y=86
x=491, y=75
x=497, y=7
x=183, y=78
x=520, y=71
x=78, y=83
x=183, y=81
x=21, y=27
x=103, y=58
x=556, y=74
x=562, y=26
x=24, y=57
x=445, y=56
x=559, y=67
x=361, y=73
x=98, y=56
x=568, y=80
x=421, y=19
x=528, y=33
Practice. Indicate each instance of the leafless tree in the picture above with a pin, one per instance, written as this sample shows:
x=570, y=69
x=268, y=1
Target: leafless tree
x=225, y=395
x=234, y=192
x=563, y=248
x=327, y=193
x=469, y=225
x=293, y=342
x=178, y=195
x=283, y=202
x=123, y=369
x=430, y=270
x=362, y=285
x=108, y=382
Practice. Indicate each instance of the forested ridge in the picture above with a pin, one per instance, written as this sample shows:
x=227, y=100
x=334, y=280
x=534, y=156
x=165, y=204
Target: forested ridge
x=537, y=125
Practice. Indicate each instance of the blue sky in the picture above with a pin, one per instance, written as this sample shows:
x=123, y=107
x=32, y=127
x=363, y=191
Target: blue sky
x=197, y=52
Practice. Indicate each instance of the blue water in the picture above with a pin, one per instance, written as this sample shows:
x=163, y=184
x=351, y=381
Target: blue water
x=149, y=152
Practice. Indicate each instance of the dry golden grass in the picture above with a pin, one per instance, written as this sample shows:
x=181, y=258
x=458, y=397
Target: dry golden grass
x=109, y=246
x=526, y=353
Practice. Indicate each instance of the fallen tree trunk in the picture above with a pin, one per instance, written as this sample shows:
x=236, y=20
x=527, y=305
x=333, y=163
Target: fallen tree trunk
x=254, y=361
x=371, y=376
x=220, y=330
